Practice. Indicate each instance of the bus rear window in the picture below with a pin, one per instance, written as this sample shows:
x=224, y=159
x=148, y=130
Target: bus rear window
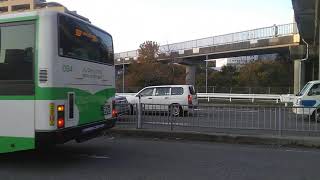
x=78, y=40
x=17, y=51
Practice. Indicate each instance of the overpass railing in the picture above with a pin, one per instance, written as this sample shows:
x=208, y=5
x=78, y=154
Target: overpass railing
x=250, y=35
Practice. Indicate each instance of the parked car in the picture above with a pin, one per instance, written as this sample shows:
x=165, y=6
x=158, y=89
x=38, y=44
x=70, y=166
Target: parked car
x=121, y=105
x=176, y=99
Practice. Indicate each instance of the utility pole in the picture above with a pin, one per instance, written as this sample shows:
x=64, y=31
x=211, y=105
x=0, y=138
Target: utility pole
x=207, y=73
x=123, y=72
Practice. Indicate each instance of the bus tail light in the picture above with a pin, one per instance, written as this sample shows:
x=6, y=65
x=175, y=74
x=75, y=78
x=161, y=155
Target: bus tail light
x=60, y=108
x=61, y=123
x=61, y=119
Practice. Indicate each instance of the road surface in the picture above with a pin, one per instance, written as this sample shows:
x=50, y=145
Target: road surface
x=119, y=158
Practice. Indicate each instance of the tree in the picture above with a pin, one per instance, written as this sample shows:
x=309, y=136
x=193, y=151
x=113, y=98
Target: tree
x=148, y=52
x=266, y=74
x=227, y=77
x=149, y=72
x=277, y=73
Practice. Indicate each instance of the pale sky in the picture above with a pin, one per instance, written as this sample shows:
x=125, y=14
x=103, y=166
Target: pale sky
x=131, y=22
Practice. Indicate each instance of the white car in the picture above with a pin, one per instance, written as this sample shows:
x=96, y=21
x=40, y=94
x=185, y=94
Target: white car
x=307, y=101
x=176, y=99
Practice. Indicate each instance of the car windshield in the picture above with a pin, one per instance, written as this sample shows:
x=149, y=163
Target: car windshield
x=302, y=92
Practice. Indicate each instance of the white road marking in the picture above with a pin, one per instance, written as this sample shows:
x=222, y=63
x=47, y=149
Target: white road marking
x=227, y=110
x=252, y=111
x=301, y=151
x=93, y=156
x=164, y=123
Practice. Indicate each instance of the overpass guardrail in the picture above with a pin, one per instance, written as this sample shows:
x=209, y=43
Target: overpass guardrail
x=237, y=37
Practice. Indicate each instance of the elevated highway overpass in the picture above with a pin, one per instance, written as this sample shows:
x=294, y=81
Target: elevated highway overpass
x=273, y=39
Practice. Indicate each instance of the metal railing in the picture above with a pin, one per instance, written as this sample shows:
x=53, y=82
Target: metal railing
x=245, y=90
x=233, y=90
x=250, y=35
x=259, y=120
x=230, y=97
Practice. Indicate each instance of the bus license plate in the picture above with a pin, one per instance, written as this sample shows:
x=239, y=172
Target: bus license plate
x=106, y=109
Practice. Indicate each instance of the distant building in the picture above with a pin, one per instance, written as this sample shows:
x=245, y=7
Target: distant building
x=8, y=6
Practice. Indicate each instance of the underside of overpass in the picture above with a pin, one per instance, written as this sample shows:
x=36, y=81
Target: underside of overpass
x=192, y=57
x=307, y=18
x=284, y=45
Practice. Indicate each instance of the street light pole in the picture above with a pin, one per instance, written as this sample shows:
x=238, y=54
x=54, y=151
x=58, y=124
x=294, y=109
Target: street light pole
x=207, y=74
x=123, y=70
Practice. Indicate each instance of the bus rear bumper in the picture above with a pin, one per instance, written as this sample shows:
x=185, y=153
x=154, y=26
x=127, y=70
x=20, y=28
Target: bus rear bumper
x=79, y=133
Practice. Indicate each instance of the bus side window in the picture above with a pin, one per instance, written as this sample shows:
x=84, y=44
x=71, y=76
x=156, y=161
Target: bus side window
x=17, y=48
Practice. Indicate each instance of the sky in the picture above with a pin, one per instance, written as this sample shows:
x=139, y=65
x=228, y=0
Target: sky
x=131, y=22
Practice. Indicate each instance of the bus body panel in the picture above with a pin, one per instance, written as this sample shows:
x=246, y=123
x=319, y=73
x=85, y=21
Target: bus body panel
x=17, y=125
x=17, y=100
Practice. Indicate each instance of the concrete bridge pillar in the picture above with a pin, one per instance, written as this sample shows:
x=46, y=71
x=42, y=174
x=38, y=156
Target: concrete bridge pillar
x=299, y=75
x=191, y=74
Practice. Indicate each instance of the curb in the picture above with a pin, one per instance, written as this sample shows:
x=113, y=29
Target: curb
x=221, y=138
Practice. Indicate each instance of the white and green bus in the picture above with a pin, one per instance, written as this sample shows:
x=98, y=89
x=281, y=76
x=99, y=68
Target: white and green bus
x=57, y=79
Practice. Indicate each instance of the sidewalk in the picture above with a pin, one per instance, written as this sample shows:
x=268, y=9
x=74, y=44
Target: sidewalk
x=313, y=142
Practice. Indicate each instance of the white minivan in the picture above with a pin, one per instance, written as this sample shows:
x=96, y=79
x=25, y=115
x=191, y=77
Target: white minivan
x=176, y=99
x=307, y=101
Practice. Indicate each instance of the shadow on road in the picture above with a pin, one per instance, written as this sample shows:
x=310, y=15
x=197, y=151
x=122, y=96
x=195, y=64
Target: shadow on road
x=61, y=156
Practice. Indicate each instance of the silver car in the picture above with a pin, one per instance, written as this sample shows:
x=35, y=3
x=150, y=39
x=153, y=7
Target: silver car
x=121, y=104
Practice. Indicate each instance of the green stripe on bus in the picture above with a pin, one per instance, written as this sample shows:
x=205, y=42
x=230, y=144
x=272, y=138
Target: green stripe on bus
x=17, y=98
x=12, y=144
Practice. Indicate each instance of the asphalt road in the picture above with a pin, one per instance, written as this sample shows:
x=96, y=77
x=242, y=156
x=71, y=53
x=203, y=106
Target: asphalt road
x=119, y=158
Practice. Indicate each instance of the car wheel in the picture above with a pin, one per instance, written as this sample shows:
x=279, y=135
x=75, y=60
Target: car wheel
x=175, y=110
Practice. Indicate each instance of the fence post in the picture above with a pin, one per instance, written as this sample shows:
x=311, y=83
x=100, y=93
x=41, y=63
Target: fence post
x=280, y=123
x=139, y=109
x=171, y=119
